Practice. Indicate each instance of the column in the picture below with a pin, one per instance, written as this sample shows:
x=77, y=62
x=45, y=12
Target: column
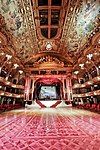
x=32, y=90
x=27, y=88
x=69, y=89
x=63, y=89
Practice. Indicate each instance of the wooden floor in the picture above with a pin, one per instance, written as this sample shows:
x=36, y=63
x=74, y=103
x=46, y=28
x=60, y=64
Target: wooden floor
x=49, y=129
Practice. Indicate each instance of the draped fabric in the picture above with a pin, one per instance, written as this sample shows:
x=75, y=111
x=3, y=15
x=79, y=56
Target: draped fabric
x=49, y=81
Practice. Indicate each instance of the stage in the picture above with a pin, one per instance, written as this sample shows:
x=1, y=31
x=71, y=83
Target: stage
x=46, y=103
x=61, y=128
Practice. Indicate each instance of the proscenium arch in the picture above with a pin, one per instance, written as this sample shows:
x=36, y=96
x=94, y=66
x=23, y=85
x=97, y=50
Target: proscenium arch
x=48, y=81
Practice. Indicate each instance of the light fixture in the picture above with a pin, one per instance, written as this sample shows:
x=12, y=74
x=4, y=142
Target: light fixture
x=2, y=93
x=89, y=56
x=81, y=65
x=9, y=62
x=16, y=65
x=2, y=53
x=76, y=72
x=27, y=8
x=89, y=82
x=98, y=78
x=95, y=53
x=95, y=85
x=71, y=8
x=82, y=85
x=48, y=46
x=18, y=96
x=20, y=71
x=5, y=72
x=9, y=94
x=95, y=93
x=88, y=62
x=8, y=56
x=7, y=78
x=14, y=86
x=0, y=69
x=8, y=83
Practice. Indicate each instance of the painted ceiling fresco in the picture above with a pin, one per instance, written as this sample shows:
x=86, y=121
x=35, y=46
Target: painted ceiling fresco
x=19, y=22
x=86, y=18
x=80, y=23
x=9, y=9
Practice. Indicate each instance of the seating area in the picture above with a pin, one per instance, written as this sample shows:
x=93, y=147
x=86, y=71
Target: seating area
x=92, y=107
x=8, y=107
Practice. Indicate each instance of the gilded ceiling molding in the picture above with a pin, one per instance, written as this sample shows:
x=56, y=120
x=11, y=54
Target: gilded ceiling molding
x=94, y=46
x=95, y=38
x=54, y=54
x=88, y=50
x=3, y=40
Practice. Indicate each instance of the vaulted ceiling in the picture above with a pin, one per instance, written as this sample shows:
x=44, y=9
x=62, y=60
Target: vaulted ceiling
x=66, y=31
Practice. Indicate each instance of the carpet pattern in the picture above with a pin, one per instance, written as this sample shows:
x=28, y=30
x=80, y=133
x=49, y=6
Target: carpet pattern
x=50, y=129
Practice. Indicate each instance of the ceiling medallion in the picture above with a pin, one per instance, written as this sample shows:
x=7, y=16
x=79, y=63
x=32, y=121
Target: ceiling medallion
x=48, y=46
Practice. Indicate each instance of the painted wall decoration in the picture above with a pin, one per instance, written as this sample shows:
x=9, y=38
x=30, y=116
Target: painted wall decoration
x=10, y=10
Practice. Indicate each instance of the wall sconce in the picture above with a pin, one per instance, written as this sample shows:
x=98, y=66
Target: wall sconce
x=20, y=71
x=76, y=72
x=16, y=65
x=81, y=65
x=8, y=56
x=89, y=56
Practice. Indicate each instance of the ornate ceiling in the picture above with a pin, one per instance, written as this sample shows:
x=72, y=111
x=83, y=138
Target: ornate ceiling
x=61, y=29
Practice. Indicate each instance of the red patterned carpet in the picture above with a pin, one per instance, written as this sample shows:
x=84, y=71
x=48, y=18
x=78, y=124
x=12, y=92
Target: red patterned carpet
x=50, y=129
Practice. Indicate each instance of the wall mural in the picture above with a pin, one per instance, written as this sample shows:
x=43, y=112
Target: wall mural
x=10, y=10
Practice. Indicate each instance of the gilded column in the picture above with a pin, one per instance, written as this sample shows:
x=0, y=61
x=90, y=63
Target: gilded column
x=63, y=89
x=32, y=89
x=69, y=89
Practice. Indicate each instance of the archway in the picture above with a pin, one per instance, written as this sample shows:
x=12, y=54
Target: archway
x=48, y=90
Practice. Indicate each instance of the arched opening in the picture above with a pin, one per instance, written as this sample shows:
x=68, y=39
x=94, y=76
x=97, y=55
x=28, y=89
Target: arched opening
x=48, y=89
x=48, y=92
